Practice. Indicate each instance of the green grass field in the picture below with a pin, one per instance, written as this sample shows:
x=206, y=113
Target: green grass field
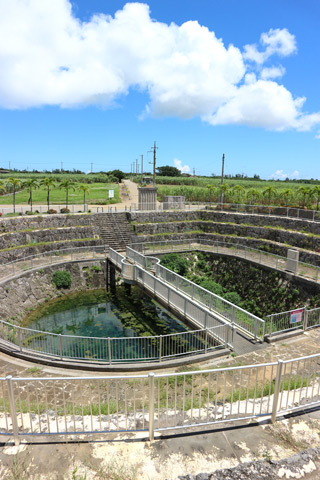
x=98, y=193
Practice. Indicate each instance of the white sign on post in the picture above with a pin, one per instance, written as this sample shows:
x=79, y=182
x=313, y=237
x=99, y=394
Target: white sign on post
x=111, y=193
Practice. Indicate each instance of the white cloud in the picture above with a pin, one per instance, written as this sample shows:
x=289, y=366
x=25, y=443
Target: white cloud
x=263, y=104
x=49, y=57
x=280, y=175
x=178, y=165
x=276, y=42
x=272, y=72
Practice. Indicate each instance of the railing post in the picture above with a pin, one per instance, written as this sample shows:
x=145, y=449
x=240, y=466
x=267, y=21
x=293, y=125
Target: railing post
x=151, y=406
x=60, y=345
x=160, y=348
x=19, y=339
x=271, y=325
x=13, y=411
x=109, y=351
x=205, y=319
x=305, y=320
x=206, y=342
x=233, y=329
x=276, y=391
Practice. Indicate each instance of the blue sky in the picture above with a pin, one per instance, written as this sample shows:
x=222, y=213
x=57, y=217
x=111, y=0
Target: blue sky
x=81, y=84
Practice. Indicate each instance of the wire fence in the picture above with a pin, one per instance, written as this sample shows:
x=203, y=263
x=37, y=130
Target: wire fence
x=154, y=403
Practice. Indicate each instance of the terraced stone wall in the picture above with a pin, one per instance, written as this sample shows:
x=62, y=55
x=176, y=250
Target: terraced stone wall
x=25, y=236
x=21, y=295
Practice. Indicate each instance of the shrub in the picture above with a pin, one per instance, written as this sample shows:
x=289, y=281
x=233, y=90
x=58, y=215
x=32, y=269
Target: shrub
x=95, y=268
x=175, y=262
x=62, y=279
x=51, y=211
x=28, y=212
x=64, y=210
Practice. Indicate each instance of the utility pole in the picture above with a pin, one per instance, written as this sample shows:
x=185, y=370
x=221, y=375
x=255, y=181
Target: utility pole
x=136, y=166
x=141, y=168
x=222, y=174
x=194, y=172
x=61, y=167
x=222, y=178
x=154, y=150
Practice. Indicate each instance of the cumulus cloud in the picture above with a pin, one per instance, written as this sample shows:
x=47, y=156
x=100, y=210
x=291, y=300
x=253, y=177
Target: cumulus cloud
x=275, y=42
x=178, y=165
x=272, y=72
x=280, y=175
x=50, y=57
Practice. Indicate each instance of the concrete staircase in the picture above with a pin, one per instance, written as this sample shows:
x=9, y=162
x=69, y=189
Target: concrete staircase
x=114, y=229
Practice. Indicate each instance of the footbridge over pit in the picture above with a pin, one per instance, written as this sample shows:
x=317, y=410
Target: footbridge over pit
x=202, y=308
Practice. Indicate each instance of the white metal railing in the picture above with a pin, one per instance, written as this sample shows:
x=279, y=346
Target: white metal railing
x=190, y=309
x=261, y=257
x=112, y=350
x=156, y=402
x=248, y=322
x=296, y=319
x=51, y=257
x=272, y=210
x=313, y=318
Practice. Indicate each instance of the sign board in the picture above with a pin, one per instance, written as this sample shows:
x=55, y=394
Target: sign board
x=111, y=193
x=296, y=316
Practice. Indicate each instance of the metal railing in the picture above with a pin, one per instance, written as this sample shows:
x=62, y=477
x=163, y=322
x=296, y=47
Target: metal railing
x=261, y=257
x=248, y=322
x=116, y=350
x=272, y=210
x=156, y=402
x=198, y=314
x=313, y=318
x=51, y=257
x=297, y=319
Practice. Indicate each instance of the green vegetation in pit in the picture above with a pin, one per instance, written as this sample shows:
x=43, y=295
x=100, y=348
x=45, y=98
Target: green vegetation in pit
x=256, y=290
x=62, y=279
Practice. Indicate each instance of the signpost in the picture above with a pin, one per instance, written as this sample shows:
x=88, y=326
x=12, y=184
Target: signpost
x=296, y=316
x=111, y=193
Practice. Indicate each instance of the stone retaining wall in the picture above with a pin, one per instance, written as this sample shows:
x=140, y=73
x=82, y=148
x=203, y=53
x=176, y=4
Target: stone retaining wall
x=37, y=222
x=294, y=238
x=19, y=253
x=260, y=244
x=13, y=239
x=21, y=295
x=238, y=218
